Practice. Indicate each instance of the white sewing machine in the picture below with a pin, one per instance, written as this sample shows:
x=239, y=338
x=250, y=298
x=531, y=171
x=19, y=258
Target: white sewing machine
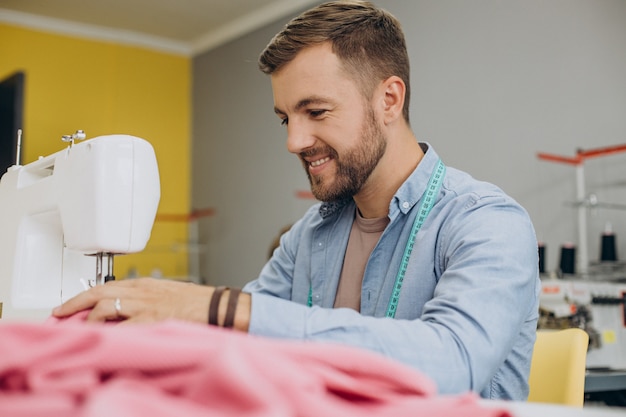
x=63, y=215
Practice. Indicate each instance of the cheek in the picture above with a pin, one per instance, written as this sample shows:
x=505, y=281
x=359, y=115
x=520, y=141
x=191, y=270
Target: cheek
x=347, y=138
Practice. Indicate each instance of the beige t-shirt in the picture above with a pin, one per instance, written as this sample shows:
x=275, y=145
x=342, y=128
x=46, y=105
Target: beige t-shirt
x=363, y=237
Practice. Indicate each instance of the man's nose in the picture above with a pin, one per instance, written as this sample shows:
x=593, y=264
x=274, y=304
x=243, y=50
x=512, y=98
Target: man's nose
x=299, y=137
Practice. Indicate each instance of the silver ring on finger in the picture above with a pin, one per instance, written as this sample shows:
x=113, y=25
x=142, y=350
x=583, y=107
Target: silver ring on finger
x=118, y=307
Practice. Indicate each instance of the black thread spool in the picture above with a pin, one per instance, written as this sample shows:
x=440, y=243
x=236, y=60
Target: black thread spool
x=608, y=250
x=568, y=259
x=542, y=258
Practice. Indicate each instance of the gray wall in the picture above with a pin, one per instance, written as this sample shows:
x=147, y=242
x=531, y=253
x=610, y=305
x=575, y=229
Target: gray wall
x=494, y=82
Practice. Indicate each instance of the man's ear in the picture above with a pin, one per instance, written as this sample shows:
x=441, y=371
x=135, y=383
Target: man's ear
x=393, y=90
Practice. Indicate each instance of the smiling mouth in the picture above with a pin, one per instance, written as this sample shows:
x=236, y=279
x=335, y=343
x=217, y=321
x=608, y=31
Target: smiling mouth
x=319, y=162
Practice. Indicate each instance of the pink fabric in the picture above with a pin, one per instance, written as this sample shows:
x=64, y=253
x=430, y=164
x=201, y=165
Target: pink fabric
x=72, y=368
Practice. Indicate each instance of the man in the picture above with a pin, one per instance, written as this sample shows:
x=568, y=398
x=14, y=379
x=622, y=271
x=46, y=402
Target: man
x=405, y=256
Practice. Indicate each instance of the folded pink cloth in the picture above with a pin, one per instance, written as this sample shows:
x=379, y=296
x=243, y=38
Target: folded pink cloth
x=72, y=368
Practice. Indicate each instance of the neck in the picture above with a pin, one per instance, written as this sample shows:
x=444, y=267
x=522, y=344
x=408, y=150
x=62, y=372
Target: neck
x=400, y=160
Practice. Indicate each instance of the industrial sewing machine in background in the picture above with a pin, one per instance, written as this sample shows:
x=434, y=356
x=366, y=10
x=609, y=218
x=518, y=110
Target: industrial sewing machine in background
x=596, y=305
x=64, y=217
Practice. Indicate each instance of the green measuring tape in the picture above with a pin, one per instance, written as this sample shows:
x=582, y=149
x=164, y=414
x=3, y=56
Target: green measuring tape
x=430, y=196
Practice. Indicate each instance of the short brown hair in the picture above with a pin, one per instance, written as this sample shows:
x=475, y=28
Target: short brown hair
x=368, y=41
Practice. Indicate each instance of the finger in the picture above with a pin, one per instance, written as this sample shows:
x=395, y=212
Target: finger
x=126, y=310
x=106, y=310
x=82, y=301
x=87, y=299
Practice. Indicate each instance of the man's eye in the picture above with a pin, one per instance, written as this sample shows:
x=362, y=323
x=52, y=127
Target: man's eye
x=284, y=121
x=317, y=113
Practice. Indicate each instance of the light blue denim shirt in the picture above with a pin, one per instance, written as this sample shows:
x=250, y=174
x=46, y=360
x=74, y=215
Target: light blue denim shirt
x=468, y=307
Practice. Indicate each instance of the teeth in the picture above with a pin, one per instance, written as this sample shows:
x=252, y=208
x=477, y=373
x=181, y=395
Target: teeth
x=320, y=161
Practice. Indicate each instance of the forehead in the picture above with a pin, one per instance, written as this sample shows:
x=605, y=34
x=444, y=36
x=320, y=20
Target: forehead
x=315, y=71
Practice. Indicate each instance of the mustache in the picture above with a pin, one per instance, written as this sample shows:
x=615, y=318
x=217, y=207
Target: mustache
x=318, y=151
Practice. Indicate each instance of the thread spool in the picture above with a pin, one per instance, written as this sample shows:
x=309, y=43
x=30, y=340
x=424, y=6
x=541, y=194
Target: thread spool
x=542, y=257
x=608, y=251
x=568, y=258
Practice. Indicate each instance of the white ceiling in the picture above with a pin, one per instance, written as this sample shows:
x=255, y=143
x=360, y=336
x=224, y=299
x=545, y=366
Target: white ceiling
x=186, y=27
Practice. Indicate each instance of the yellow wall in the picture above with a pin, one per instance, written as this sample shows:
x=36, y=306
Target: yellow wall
x=105, y=88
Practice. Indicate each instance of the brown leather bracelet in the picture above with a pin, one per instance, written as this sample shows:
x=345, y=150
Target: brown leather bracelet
x=233, y=299
x=214, y=305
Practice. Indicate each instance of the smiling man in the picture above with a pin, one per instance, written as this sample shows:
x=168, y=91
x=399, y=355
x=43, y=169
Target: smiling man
x=403, y=256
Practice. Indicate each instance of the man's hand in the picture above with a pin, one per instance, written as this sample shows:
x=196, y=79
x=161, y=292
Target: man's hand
x=145, y=300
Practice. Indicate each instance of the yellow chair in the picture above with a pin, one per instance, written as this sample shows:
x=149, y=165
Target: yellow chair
x=557, y=370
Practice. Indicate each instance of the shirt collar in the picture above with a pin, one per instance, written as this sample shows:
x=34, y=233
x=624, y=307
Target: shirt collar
x=411, y=191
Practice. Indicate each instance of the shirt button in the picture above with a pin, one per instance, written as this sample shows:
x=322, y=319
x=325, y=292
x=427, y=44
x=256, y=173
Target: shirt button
x=319, y=244
x=316, y=296
x=405, y=205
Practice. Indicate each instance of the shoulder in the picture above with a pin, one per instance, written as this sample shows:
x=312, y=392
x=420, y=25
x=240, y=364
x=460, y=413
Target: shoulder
x=468, y=192
x=470, y=207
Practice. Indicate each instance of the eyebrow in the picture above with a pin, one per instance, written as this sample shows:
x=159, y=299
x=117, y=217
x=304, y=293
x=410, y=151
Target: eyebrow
x=304, y=103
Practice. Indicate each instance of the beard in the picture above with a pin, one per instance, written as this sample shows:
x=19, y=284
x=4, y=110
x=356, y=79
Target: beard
x=353, y=168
